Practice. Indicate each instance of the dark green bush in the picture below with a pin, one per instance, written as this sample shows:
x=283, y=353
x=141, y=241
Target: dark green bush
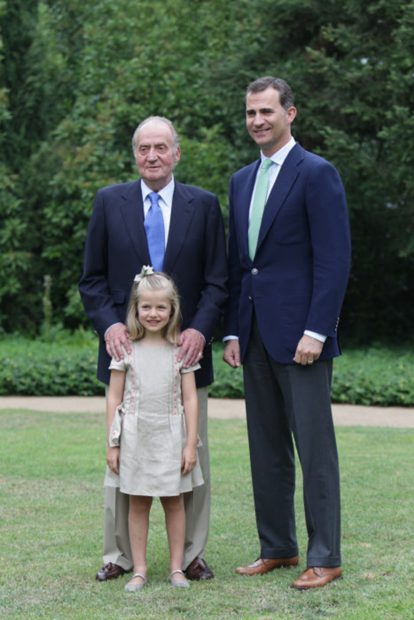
x=375, y=376
x=66, y=365
x=372, y=376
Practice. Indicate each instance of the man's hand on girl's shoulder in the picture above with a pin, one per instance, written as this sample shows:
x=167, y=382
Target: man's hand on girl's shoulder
x=117, y=341
x=191, y=345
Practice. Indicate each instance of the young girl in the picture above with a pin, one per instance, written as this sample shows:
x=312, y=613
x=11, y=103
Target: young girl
x=152, y=413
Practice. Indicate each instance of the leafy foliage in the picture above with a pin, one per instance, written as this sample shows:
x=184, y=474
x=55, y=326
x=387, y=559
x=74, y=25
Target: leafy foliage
x=62, y=367
x=368, y=376
x=63, y=364
x=77, y=77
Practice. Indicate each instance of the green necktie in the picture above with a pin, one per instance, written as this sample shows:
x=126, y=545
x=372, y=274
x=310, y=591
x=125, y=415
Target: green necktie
x=259, y=201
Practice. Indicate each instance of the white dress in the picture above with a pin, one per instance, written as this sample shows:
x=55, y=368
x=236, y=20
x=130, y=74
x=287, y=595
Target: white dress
x=152, y=420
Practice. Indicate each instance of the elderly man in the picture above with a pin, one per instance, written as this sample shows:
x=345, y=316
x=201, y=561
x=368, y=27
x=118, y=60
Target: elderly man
x=179, y=229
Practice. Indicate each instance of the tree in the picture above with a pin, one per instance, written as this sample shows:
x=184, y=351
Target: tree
x=351, y=66
x=14, y=259
x=38, y=81
x=77, y=78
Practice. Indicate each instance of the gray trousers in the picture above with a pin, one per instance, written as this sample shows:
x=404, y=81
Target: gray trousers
x=286, y=401
x=197, y=508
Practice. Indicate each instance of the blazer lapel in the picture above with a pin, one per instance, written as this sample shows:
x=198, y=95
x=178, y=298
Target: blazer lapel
x=182, y=213
x=285, y=180
x=132, y=211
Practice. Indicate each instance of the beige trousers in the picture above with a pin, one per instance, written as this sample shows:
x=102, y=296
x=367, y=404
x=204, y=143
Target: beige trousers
x=197, y=508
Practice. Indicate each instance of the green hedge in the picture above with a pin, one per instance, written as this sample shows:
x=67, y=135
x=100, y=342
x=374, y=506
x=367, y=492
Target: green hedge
x=375, y=375
x=66, y=365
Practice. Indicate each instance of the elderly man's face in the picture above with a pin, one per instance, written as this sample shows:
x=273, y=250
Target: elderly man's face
x=156, y=154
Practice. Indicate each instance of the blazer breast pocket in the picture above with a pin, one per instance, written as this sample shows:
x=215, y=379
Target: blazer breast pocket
x=290, y=226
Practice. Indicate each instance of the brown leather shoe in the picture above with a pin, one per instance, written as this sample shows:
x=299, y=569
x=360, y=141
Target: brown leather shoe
x=262, y=566
x=316, y=577
x=110, y=571
x=198, y=570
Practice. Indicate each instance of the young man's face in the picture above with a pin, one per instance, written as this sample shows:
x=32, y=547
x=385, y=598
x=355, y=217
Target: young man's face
x=267, y=122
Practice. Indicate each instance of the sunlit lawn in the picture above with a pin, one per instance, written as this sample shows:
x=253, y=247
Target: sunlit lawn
x=51, y=530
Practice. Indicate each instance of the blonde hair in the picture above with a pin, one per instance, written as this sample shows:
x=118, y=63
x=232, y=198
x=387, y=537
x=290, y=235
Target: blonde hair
x=157, y=281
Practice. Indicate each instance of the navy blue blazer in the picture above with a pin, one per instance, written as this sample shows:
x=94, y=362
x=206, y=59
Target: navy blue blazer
x=298, y=278
x=116, y=249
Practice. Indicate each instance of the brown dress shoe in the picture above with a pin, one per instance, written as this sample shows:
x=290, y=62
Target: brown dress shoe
x=316, y=577
x=262, y=566
x=198, y=570
x=110, y=571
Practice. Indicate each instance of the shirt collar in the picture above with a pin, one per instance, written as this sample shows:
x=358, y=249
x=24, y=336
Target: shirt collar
x=280, y=155
x=166, y=193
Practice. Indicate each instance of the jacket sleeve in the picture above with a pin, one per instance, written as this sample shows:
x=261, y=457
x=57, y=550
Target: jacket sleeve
x=331, y=247
x=93, y=285
x=231, y=326
x=214, y=292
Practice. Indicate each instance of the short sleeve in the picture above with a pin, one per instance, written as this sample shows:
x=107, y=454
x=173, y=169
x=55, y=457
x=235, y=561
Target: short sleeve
x=122, y=365
x=190, y=369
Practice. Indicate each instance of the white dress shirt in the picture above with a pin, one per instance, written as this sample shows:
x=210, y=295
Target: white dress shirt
x=165, y=202
x=277, y=158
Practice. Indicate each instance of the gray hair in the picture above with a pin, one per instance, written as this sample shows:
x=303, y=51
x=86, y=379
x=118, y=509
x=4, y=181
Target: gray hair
x=176, y=141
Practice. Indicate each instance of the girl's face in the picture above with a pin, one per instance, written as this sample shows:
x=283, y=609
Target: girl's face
x=154, y=311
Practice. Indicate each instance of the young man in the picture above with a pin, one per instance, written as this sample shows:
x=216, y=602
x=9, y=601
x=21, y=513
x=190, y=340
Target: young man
x=289, y=254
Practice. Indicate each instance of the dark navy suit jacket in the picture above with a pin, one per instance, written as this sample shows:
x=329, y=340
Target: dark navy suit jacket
x=116, y=249
x=298, y=277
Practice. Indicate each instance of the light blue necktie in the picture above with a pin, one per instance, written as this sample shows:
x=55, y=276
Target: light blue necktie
x=259, y=201
x=154, y=227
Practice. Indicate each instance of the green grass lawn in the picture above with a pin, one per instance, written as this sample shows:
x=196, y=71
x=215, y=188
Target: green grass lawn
x=51, y=498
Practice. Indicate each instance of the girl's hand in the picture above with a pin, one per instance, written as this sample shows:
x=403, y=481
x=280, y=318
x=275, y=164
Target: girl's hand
x=112, y=459
x=189, y=459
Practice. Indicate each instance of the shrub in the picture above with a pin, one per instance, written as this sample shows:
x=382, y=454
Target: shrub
x=66, y=366
x=372, y=376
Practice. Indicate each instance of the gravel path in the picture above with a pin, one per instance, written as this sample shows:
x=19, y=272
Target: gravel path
x=344, y=415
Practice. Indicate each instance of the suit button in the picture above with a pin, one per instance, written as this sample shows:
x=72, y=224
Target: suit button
x=255, y=271
x=250, y=298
